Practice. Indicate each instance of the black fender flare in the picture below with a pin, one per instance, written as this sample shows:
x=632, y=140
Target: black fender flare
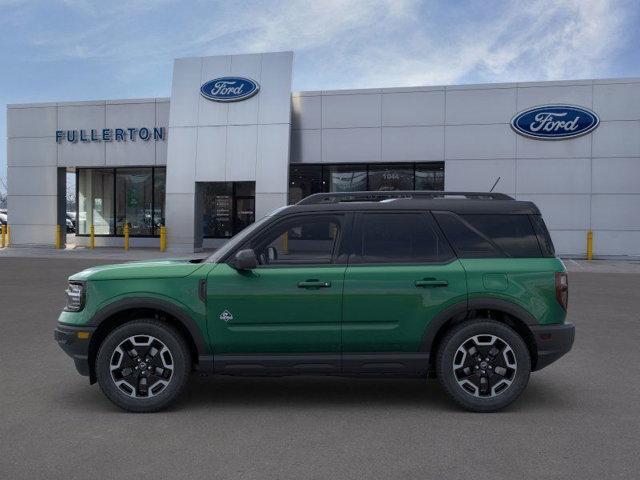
x=172, y=309
x=461, y=309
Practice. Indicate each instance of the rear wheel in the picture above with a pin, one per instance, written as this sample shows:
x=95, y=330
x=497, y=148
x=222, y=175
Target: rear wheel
x=143, y=366
x=483, y=365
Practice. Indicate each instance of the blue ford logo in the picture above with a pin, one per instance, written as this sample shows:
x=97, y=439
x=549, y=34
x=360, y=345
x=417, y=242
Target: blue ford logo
x=229, y=89
x=555, y=122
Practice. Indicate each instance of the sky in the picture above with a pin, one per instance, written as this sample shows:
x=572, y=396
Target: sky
x=87, y=50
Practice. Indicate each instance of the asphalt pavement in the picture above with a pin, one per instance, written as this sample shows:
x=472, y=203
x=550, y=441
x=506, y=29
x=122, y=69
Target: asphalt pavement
x=578, y=418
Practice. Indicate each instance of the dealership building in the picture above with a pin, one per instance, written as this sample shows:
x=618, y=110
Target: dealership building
x=233, y=143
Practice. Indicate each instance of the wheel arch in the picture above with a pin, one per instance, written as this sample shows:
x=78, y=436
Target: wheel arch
x=491, y=308
x=122, y=311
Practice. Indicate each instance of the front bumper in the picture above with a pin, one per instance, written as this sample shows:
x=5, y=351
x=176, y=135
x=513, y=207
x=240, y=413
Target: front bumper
x=75, y=343
x=552, y=342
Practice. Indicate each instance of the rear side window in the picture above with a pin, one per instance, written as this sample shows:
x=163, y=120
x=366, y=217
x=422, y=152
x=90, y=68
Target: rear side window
x=513, y=234
x=490, y=235
x=466, y=241
x=399, y=238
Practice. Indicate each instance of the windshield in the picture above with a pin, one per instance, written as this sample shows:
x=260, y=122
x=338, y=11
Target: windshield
x=240, y=237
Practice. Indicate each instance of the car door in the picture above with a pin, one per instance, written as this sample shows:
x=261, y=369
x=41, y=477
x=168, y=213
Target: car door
x=401, y=273
x=290, y=304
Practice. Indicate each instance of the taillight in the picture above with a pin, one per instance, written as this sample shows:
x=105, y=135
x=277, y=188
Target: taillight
x=562, y=289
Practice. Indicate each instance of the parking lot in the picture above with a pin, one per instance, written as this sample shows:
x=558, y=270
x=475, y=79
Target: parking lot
x=579, y=418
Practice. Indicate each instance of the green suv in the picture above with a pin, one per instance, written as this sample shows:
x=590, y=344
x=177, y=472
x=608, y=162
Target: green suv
x=462, y=286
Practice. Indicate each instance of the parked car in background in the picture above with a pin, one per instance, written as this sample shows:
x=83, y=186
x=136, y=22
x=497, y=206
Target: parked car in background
x=3, y=217
x=71, y=222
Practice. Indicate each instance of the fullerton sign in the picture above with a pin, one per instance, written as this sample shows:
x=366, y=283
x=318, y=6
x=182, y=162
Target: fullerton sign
x=555, y=122
x=110, y=135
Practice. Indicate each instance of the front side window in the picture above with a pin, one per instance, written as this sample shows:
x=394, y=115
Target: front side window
x=306, y=240
x=399, y=238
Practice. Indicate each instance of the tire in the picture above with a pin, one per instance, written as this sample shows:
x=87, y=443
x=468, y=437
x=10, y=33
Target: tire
x=143, y=345
x=460, y=368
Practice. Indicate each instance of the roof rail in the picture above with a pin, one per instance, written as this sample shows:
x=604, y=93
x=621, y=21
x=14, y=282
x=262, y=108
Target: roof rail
x=376, y=196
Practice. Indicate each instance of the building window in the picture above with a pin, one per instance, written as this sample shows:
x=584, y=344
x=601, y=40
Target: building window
x=95, y=201
x=134, y=201
x=110, y=198
x=227, y=207
x=305, y=180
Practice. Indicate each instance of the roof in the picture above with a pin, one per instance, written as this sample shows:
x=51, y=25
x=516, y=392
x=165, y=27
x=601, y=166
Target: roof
x=457, y=202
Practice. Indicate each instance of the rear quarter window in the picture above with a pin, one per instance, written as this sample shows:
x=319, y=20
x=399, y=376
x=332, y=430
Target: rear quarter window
x=490, y=235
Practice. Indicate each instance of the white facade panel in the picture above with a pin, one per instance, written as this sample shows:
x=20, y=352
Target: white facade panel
x=479, y=142
x=545, y=94
x=33, y=180
x=32, y=122
x=306, y=112
x=138, y=152
x=480, y=175
x=617, y=139
x=32, y=210
x=615, y=212
x=345, y=145
x=180, y=221
x=412, y=108
x=616, y=243
x=495, y=105
x=571, y=243
x=211, y=154
x=241, y=153
x=36, y=235
x=275, y=91
x=32, y=152
x=616, y=175
x=273, y=152
x=185, y=92
x=619, y=101
x=181, y=172
x=162, y=120
x=412, y=144
x=306, y=146
x=82, y=117
x=562, y=212
x=349, y=111
x=579, y=147
x=558, y=175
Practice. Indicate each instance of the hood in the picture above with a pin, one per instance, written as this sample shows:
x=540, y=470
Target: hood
x=140, y=270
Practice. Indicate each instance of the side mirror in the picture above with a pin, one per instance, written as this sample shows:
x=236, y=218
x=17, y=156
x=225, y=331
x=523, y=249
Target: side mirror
x=245, y=260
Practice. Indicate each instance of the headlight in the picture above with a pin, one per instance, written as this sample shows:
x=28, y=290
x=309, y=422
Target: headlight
x=75, y=297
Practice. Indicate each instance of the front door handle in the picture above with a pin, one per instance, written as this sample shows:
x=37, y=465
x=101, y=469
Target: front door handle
x=431, y=282
x=314, y=284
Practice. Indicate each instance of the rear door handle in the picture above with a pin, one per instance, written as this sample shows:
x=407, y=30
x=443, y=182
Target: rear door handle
x=314, y=284
x=431, y=282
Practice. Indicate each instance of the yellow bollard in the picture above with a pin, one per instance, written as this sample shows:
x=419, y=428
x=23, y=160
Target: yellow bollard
x=589, y=245
x=58, y=236
x=126, y=236
x=92, y=237
x=163, y=238
x=3, y=234
x=8, y=235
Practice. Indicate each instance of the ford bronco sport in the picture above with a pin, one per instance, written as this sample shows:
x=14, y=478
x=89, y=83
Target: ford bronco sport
x=462, y=286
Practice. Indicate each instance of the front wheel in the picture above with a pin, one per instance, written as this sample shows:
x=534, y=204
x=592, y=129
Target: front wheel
x=483, y=365
x=143, y=365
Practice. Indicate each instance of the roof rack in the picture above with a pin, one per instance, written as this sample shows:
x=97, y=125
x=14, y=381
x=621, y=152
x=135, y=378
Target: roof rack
x=376, y=196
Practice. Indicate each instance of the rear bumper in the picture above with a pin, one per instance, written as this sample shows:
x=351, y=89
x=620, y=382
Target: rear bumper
x=552, y=342
x=74, y=346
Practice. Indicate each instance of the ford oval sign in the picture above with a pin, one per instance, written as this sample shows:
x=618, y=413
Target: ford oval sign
x=229, y=89
x=555, y=122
